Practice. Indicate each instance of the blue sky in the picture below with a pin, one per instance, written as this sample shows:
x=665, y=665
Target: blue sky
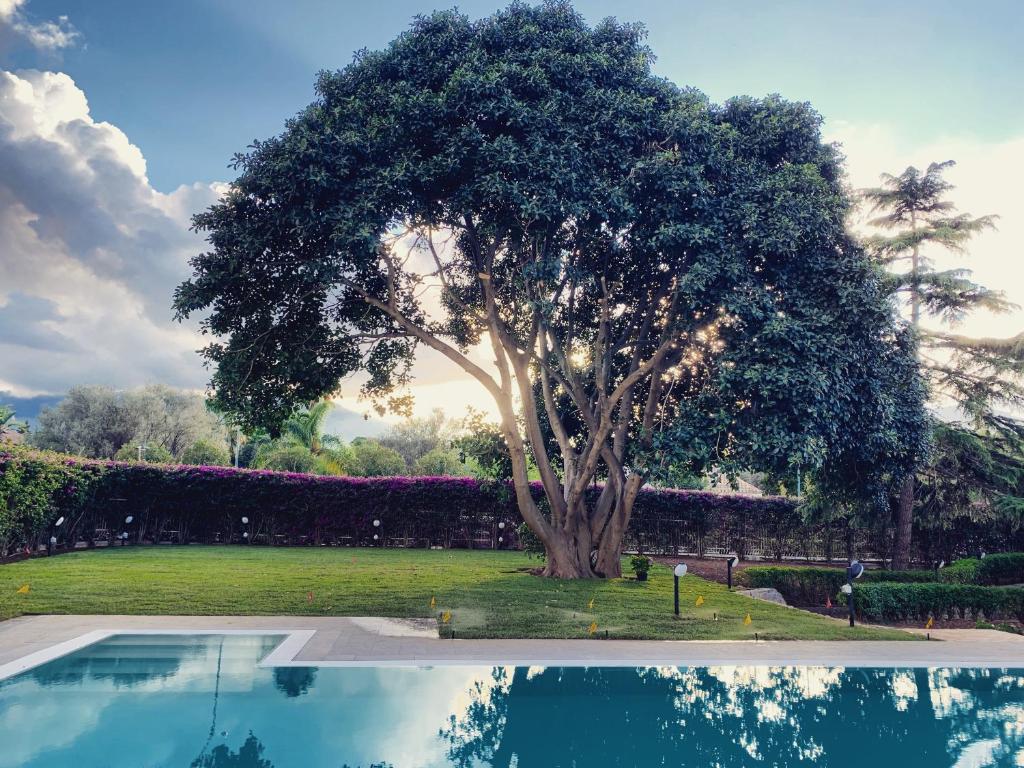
x=118, y=119
x=193, y=81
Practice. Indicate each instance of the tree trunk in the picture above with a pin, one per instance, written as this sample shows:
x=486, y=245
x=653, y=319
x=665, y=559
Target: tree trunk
x=904, y=526
x=567, y=558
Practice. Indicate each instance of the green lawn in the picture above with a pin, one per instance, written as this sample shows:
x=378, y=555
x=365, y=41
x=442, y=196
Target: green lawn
x=489, y=594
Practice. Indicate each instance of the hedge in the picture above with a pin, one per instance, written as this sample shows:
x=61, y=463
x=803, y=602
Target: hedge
x=804, y=586
x=1000, y=568
x=207, y=504
x=897, y=602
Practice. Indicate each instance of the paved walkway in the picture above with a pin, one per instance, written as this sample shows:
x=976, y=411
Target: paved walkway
x=340, y=641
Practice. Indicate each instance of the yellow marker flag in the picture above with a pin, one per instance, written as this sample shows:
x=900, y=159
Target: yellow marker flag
x=593, y=627
x=446, y=617
x=747, y=621
x=23, y=589
x=433, y=602
x=700, y=601
x=590, y=605
x=931, y=620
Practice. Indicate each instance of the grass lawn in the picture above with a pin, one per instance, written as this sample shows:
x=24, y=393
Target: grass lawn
x=489, y=594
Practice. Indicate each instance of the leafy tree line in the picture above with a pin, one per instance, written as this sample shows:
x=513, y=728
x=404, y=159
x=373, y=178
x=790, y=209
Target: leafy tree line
x=656, y=280
x=156, y=423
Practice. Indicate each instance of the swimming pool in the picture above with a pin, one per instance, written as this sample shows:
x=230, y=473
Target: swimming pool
x=149, y=701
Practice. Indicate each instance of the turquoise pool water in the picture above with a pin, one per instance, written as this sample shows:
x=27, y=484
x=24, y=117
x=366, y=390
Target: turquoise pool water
x=154, y=701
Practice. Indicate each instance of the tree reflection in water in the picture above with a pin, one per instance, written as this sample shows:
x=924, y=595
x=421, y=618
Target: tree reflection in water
x=249, y=755
x=294, y=681
x=733, y=716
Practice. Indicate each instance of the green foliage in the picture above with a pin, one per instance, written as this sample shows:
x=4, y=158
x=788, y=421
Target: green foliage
x=641, y=565
x=154, y=453
x=305, y=427
x=371, y=459
x=286, y=457
x=896, y=602
x=973, y=475
x=528, y=541
x=808, y=586
x=1001, y=627
x=204, y=452
x=440, y=461
x=97, y=422
x=34, y=493
x=415, y=438
x=8, y=424
x=999, y=568
x=483, y=444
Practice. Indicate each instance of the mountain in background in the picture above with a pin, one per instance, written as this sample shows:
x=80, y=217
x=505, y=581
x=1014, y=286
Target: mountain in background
x=28, y=408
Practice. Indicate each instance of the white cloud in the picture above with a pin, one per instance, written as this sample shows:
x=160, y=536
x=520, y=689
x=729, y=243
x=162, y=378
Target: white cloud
x=45, y=35
x=91, y=252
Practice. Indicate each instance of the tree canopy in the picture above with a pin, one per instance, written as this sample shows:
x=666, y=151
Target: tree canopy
x=651, y=273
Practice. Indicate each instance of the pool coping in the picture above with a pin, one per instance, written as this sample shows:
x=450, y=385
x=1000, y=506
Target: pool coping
x=344, y=642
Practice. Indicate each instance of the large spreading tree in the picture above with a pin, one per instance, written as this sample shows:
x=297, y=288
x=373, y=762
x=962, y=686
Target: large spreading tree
x=979, y=463
x=656, y=280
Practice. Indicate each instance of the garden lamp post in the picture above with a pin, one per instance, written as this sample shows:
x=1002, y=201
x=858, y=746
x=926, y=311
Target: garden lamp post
x=678, y=573
x=939, y=565
x=245, y=533
x=52, y=541
x=731, y=562
x=853, y=571
x=124, y=536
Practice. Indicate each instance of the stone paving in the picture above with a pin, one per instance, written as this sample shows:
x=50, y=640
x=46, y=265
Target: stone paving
x=369, y=641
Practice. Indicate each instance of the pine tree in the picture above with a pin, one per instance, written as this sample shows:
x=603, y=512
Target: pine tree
x=983, y=377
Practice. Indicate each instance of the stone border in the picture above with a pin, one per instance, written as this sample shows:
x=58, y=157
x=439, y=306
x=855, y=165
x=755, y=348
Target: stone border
x=344, y=642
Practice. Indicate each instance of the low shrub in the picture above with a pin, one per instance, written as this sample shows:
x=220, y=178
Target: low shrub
x=1002, y=568
x=896, y=602
x=991, y=570
x=810, y=586
x=965, y=571
x=799, y=585
x=641, y=565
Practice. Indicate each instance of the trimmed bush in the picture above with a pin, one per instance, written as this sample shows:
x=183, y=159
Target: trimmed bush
x=1002, y=568
x=799, y=585
x=806, y=586
x=992, y=570
x=897, y=602
x=965, y=571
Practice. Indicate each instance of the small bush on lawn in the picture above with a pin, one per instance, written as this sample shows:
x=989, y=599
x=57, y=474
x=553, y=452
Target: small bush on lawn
x=641, y=565
x=800, y=586
x=965, y=571
x=813, y=586
x=897, y=602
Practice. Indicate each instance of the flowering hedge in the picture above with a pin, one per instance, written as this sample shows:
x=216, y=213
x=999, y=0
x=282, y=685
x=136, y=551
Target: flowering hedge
x=207, y=504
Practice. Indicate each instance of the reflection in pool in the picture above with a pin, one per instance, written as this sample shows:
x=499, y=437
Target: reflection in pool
x=201, y=701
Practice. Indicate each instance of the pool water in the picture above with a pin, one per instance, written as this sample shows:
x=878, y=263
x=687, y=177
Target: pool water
x=148, y=701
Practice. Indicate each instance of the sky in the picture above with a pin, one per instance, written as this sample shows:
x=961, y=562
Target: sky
x=118, y=120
